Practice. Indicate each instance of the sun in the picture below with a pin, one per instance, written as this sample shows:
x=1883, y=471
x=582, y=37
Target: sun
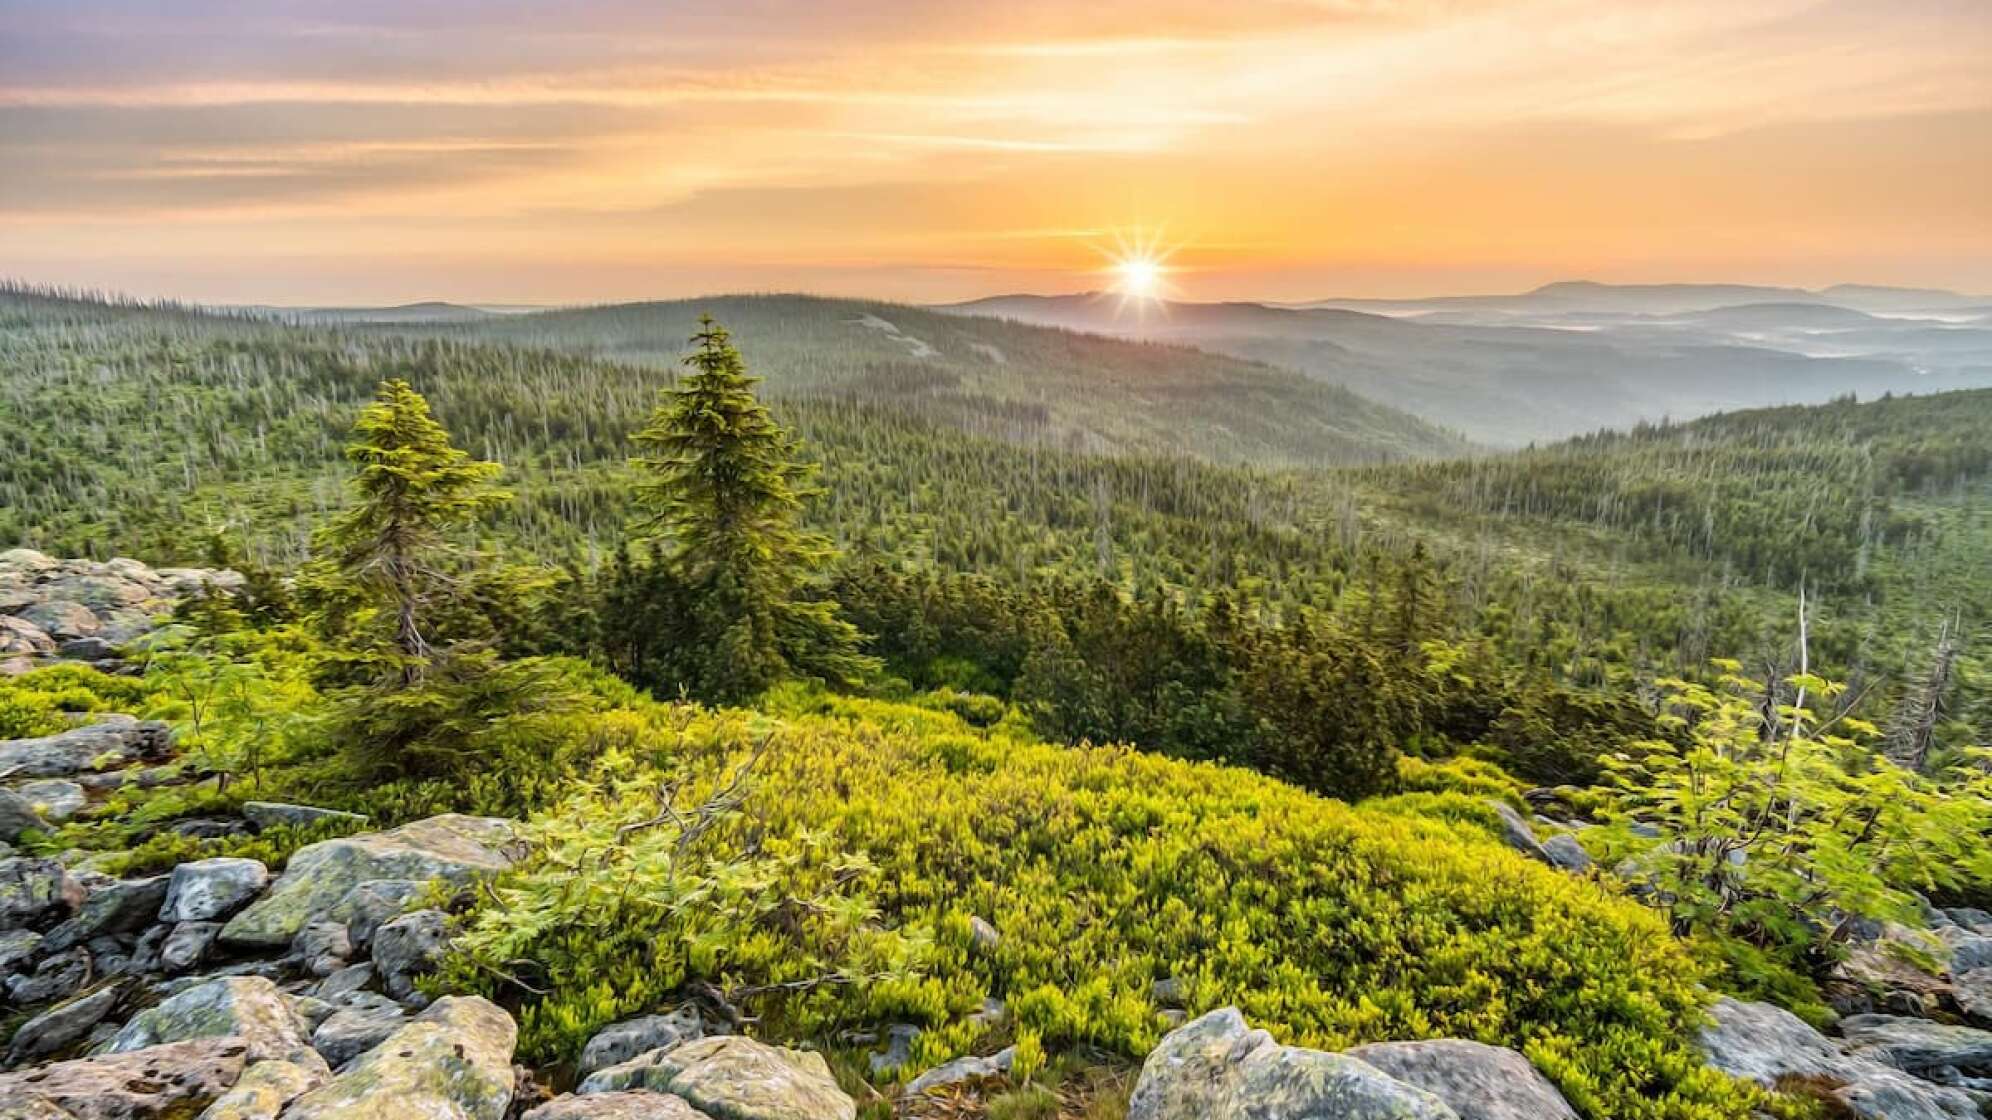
x=1137, y=270
x=1138, y=277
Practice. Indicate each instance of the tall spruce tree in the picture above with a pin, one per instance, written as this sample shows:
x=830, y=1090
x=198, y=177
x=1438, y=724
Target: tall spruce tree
x=724, y=494
x=391, y=550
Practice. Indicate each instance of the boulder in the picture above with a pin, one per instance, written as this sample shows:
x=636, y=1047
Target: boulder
x=208, y=890
x=1215, y=1068
x=247, y=1008
x=19, y=636
x=408, y=947
x=61, y=618
x=453, y=1062
x=1977, y=921
x=58, y=976
x=1566, y=853
x=1765, y=1044
x=353, y=978
x=17, y=948
x=983, y=938
x=617, y=1106
x=1969, y=951
x=62, y=1026
x=1973, y=992
x=164, y=1082
x=369, y=906
x=734, y=1078
x=1516, y=833
x=451, y=847
x=264, y=1091
x=186, y=946
x=619, y=1042
x=322, y=947
x=1479, y=1082
x=18, y=817
x=27, y=560
x=36, y=892
x=899, y=1039
x=963, y=1071
x=269, y=814
x=1918, y=1045
x=120, y=906
x=363, y=1021
x=55, y=799
x=112, y=743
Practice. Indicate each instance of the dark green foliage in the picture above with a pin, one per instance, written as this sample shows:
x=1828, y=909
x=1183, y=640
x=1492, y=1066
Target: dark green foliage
x=723, y=492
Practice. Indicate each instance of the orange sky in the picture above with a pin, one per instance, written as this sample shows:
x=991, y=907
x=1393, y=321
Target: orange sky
x=515, y=151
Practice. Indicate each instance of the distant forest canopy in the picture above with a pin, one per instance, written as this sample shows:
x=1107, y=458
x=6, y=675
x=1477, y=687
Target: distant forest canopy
x=149, y=431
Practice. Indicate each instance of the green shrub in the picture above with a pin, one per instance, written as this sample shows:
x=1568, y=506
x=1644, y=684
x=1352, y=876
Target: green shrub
x=840, y=895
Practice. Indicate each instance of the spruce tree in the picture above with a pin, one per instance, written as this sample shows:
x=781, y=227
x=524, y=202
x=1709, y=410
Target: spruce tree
x=724, y=493
x=391, y=550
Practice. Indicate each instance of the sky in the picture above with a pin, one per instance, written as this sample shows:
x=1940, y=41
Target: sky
x=504, y=151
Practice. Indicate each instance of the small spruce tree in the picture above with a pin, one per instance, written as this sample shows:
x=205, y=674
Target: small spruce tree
x=724, y=495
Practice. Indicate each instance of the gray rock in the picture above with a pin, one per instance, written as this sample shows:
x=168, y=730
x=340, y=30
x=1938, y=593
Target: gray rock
x=55, y=799
x=208, y=890
x=1215, y=1068
x=983, y=938
x=1969, y=952
x=323, y=948
x=18, y=817
x=62, y=1026
x=734, y=1078
x=247, y=1008
x=1167, y=992
x=113, y=743
x=58, y=976
x=17, y=948
x=62, y=619
x=353, y=978
x=899, y=1039
x=1479, y=1082
x=264, y=1090
x=453, y=1061
x=963, y=1071
x=150, y=947
x=1918, y=1045
x=122, y=906
x=313, y=1012
x=407, y=947
x=619, y=1042
x=1765, y=1044
x=19, y=636
x=638, y=1105
x=35, y=892
x=269, y=814
x=453, y=848
x=162, y=1082
x=1973, y=992
x=1516, y=833
x=187, y=946
x=1565, y=852
x=364, y=1022
x=369, y=906
x=1977, y=921
x=87, y=649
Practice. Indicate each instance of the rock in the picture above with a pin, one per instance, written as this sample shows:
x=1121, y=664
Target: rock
x=453, y=1061
x=1167, y=992
x=898, y=1050
x=365, y=1021
x=62, y=618
x=313, y=1011
x=451, y=847
x=151, y=944
x=59, y=976
x=122, y=906
x=269, y=814
x=26, y=560
x=19, y=636
x=617, y=1106
x=1918, y=1045
x=248, y=1008
x=369, y=906
x=1876, y=977
x=1765, y=1044
x=963, y=1071
x=734, y=1078
x=165, y=1082
x=1973, y=992
x=1977, y=921
x=18, y=817
x=56, y=800
x=61, y=1027
x=983, y=938
x=353, y=978
x=17, y=948
x=110, y=744
x=208, y=890
x=87, y=649
x=1969, y=952
x=187, y=946
x=1479, y=1082
x=323, y=948
x=1516, y=833
x=264, y=1091
x=1215, y=1068
x=1566, y=853
x=36, y=892
x=407, y=947
x=619, y=1042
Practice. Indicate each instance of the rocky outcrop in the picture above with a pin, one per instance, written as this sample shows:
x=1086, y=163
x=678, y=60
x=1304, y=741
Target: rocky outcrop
x=112, y=743
x=619, y=1042
x=84, y=609
x=617, y=1106
x=1477, y=1081
x=160, y=1083
x=212, y=889
x=453, y=1061
x=1918, y=1045
x=734, y=1078
x=453, y=848
x=36, y=893
x=264, y=1091
x=247, y=1008
x=1216, y=1068
x=1761, y=1043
